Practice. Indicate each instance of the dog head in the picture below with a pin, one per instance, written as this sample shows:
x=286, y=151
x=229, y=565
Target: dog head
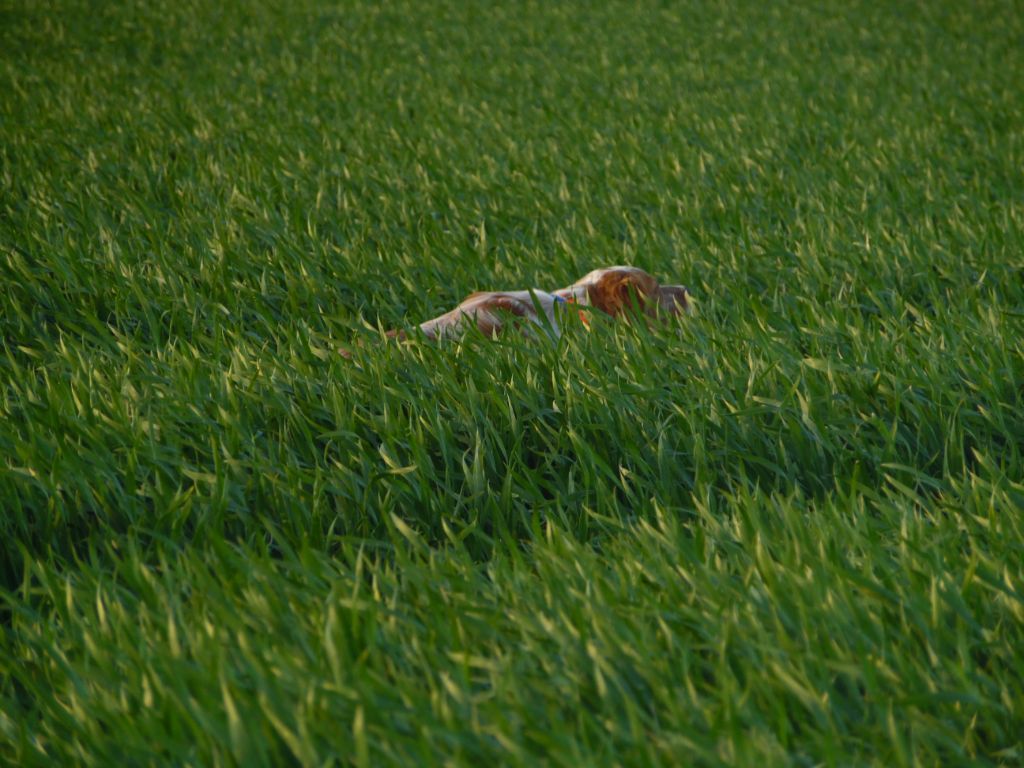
x=617, y=291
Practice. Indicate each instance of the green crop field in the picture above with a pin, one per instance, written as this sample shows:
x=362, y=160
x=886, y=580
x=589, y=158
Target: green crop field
x=785, y=530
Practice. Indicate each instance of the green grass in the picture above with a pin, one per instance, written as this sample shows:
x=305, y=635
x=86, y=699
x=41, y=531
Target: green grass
x=786, y=531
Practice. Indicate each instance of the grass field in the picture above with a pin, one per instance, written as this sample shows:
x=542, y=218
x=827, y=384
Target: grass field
x=788, y=530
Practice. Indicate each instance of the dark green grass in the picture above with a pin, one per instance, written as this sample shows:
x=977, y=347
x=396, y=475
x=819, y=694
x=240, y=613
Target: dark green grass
x=788, y=530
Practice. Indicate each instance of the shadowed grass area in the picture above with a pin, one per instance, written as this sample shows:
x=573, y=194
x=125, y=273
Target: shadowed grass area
x=786, y=530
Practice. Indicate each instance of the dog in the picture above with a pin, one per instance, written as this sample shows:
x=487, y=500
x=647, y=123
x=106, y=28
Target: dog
x=615, y=291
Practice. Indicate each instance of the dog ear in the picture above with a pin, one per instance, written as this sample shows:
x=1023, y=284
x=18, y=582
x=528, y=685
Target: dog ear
x=618, y=292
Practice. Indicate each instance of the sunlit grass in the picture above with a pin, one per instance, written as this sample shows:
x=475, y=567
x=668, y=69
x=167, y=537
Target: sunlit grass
x=786, y=530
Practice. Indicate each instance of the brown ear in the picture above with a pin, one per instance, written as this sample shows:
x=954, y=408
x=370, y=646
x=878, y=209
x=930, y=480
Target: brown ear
x=618, y=292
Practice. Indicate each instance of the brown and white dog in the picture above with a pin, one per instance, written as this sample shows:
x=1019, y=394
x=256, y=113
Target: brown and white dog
x=615, y=291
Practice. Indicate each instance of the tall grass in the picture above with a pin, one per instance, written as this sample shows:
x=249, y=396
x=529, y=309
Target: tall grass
x=787, y=529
